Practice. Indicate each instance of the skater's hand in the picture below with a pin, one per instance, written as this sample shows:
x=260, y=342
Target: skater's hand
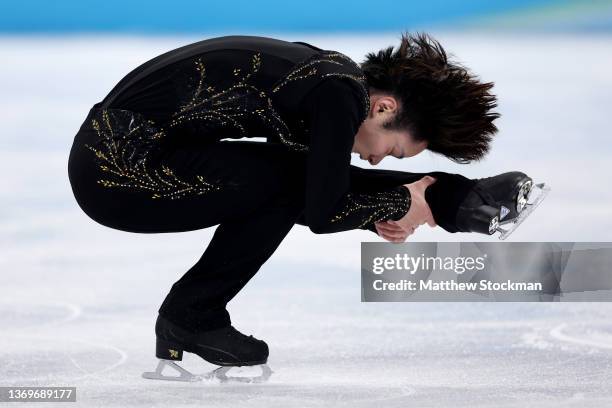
x=391, y=232
x=419, y=212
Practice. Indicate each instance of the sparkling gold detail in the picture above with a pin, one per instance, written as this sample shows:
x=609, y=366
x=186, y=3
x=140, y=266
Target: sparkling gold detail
x=173, y=353
x=380, y=206
x=128, y=141
x=124, y=155
x=329, y=57
x=231, y=106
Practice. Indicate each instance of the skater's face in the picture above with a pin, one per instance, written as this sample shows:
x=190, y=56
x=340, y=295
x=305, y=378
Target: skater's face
x=373, y=142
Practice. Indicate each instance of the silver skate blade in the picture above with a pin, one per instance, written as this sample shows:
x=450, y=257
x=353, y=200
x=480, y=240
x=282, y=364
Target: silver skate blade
x=184, y=375
x=536, y=196
x=243, y=374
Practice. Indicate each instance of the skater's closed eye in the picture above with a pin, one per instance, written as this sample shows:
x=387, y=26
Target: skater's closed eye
x=397, y=152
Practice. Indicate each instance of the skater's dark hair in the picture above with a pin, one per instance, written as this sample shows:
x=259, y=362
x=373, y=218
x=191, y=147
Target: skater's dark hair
x=440, y=100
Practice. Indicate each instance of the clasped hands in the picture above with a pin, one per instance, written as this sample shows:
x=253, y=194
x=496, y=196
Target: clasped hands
x=418, y=214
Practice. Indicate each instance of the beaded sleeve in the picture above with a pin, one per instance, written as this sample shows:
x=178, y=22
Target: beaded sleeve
x=335, y=116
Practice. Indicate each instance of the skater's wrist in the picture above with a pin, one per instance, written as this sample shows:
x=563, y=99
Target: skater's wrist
x=405, y=200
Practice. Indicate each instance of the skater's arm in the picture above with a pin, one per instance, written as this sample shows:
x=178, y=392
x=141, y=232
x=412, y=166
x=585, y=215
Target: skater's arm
x=335, y=115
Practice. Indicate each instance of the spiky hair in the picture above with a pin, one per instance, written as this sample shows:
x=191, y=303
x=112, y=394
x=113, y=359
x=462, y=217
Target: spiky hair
x=440, y=100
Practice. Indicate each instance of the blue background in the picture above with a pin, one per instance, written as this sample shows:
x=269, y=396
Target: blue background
x=184, y=16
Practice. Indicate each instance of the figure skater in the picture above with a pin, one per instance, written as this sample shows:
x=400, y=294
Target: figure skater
x=159, y=154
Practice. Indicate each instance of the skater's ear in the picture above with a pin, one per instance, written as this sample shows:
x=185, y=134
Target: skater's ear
x=384, y=106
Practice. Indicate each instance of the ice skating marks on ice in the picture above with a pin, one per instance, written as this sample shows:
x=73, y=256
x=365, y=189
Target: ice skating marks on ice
x=55, y=359
x=599, y=338
x=18, y=315
x=590, y=337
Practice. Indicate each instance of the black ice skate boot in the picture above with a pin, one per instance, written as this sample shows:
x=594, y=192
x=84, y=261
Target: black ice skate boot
x=505, y=199
x=226, y=347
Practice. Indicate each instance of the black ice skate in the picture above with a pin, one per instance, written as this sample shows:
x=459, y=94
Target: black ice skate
x=226, y=347
x=500, y=204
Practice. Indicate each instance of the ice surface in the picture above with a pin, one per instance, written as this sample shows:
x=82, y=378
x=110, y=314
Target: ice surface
x=78, y=301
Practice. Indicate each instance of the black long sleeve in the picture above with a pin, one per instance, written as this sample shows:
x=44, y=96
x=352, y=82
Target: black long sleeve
x=334, y=111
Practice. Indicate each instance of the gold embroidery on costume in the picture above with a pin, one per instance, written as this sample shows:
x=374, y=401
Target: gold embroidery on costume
x=383, y=206
x=125, y=151
x=228, y=107
x=123, y=154
x=327, y=57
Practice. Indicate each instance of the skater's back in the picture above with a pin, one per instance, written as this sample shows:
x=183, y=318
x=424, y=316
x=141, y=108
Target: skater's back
x=232, y=87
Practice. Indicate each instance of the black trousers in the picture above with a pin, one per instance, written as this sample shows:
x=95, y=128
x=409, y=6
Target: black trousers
x=253, y=217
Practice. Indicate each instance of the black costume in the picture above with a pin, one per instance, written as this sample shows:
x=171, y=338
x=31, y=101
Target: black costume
x=150, y=158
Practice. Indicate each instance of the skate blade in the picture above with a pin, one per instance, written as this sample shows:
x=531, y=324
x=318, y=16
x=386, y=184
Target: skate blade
x=242, y=374
x=184, y=375
x=227, y=374
x=536, y=196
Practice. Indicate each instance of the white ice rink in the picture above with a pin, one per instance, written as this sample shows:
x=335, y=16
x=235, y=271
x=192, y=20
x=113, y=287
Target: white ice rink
x=78, y=301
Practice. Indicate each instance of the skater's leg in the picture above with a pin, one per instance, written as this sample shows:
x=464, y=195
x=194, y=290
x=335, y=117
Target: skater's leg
x=170, y=193
x=238, y=249
x=255, y=206
x=271, y=199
